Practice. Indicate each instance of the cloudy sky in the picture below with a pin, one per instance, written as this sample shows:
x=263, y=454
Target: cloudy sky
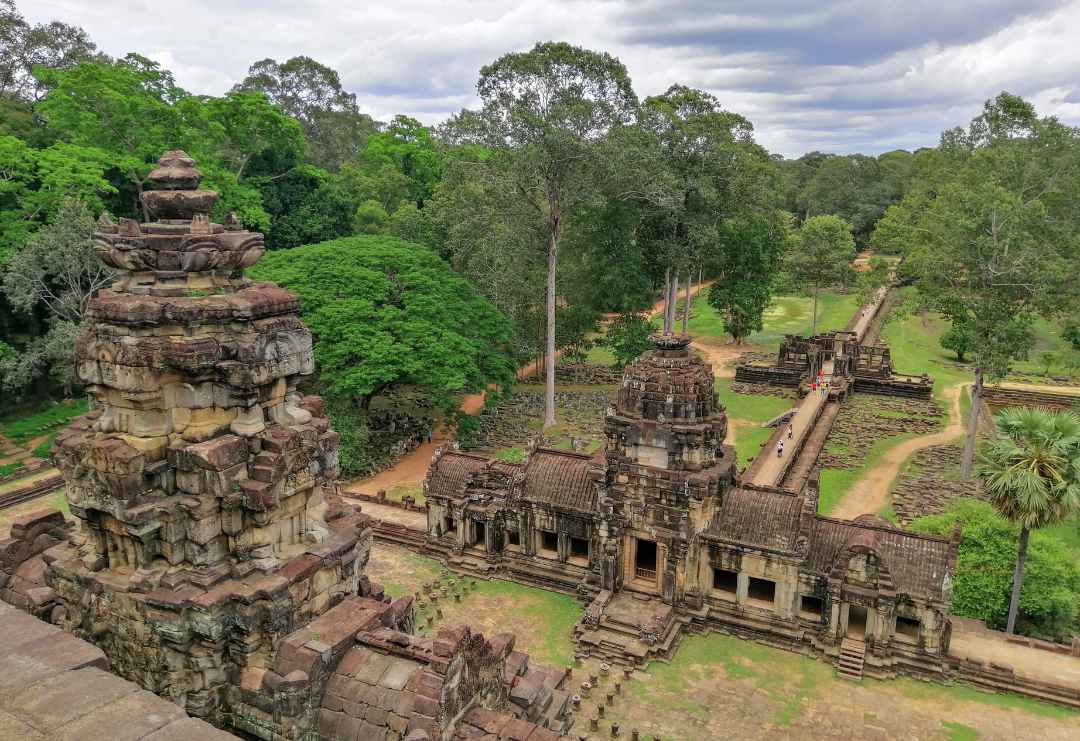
x=833, y=75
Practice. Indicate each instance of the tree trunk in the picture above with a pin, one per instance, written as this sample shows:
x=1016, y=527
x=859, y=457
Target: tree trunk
x=667, y=299
x=968, y=461
x=686, y=307
x=813, y=322
x=142, y=206
x=549, y=403
x=1018, y=579
x=674, y=301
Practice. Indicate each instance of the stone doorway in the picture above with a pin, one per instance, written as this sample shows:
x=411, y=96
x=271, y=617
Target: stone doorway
x=856, y=622
x=645, y=560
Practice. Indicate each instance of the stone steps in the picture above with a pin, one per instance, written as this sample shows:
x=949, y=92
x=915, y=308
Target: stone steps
x=852, y=659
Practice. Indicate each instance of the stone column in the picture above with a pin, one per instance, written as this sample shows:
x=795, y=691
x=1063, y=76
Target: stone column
x=489, y=536
x=563, y=546
x=742, y=588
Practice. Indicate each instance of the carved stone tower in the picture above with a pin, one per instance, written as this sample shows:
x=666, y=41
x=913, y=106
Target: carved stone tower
x=666, y=463
x=202, y=476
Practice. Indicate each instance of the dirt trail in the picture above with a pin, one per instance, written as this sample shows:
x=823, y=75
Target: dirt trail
x=722, y=355
x=870, y=494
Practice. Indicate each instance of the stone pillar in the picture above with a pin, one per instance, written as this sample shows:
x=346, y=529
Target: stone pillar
x=489, y=536
x=564, y=546
x=742, y=588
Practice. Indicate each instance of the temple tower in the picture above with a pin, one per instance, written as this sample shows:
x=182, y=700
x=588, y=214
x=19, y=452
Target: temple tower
x=202, y=479
x=666, y=465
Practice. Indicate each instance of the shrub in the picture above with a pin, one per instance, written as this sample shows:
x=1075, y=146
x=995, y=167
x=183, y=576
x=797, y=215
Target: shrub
x=987, y=557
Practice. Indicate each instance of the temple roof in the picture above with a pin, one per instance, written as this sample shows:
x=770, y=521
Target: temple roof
x=561, y=479
x=450, y=475
x=758, y=517
x=919, y=564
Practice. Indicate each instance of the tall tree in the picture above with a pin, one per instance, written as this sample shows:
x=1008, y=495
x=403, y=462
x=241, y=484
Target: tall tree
x=312, y=93
x=1031, y=472
x=744, y=272
x=821, y=252
x=124, y=108
x=23, y=46
x=59, y=270
x=544, y=114
x=995, y=240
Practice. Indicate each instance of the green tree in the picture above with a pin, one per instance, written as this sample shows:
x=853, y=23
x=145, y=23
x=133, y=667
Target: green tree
x=1031, y=473
x=960, y=338
x=992, y=234
x=387, y=313
x=125, y=109
x=628, y=337
x=544, y=112
x=986, y=563
x=59, y=270
x=311, y=92
x=306, y=205
x=23, y=46
x=823, y=248
x=743, y=287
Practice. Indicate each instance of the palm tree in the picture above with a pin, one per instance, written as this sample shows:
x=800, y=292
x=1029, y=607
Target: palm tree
x=1031, y=472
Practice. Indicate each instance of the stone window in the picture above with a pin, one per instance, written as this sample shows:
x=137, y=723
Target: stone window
x=549, y=542
x=810, y=607
x=579, y=549
x=761, y=592
x=907, y=629
x=726, y=582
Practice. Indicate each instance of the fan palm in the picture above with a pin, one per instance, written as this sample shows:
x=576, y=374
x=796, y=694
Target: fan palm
x=1031, y=473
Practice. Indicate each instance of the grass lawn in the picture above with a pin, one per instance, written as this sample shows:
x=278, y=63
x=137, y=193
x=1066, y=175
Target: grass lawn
x=747, y=412
x=543, y=621
x=914, y=345
x=767, y=692
x=786, y=315
x=400, y=491
x=600, y=355
x=49, y=416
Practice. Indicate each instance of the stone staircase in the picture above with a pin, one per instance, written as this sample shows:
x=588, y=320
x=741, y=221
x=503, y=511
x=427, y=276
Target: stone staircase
x=852, y=658
x=538, y=693
x=628, y=630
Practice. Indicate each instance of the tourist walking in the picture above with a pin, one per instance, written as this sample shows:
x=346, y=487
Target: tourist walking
x=780, y=449
x=790, y=431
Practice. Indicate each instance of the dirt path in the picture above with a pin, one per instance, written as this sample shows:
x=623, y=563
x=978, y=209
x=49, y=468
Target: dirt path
x=870, y=494
x=722, y=356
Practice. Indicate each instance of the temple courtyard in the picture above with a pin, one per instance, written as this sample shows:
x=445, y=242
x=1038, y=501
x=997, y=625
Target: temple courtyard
x=720, y=686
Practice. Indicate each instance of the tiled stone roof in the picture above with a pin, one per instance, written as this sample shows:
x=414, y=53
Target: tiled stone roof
x=451, y=473
x=919, y=564
x=758, y=517
x=560, y=479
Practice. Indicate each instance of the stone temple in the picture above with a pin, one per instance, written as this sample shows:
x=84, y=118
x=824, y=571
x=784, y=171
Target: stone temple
x=657, y=534
x=212, y=560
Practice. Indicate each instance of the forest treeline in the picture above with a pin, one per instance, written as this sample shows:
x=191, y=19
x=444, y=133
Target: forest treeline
x=562, y=196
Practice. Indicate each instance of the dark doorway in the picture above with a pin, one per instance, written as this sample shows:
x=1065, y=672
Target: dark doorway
x=480, y=539
x=645, y=560
x=856, y=622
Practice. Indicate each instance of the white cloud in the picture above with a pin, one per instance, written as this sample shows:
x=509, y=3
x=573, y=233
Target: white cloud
x=838, y=76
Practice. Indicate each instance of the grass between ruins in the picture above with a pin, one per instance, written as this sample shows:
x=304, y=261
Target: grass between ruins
x=542, y=621
x=21, y=429
x=768, y=692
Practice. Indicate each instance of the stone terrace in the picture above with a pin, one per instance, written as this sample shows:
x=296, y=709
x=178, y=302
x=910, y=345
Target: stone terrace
x=55, y=686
